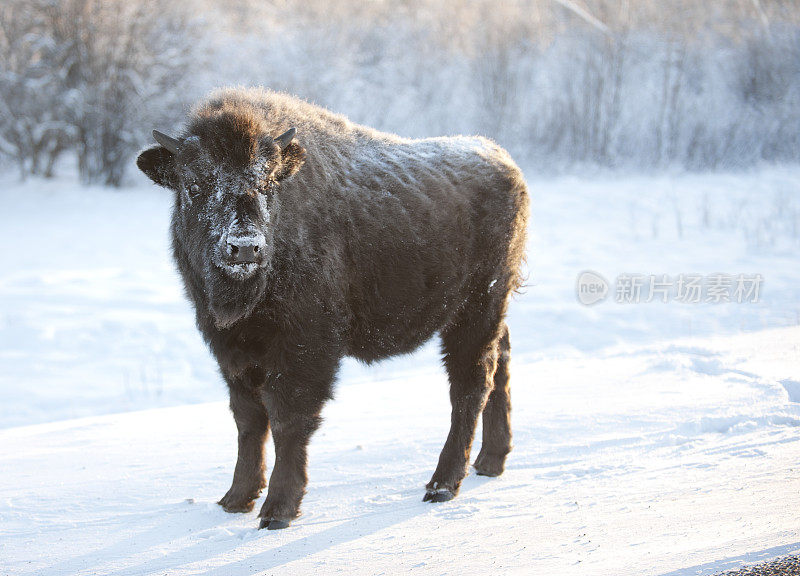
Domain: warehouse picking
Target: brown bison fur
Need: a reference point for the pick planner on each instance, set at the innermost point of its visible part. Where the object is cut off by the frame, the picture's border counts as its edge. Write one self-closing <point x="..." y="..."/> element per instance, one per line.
<point x="343" y="241"/>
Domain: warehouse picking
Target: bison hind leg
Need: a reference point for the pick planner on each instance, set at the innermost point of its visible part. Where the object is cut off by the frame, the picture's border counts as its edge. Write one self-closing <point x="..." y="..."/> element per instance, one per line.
<point x="471" y="350"/>
<point x="497" y="416"/>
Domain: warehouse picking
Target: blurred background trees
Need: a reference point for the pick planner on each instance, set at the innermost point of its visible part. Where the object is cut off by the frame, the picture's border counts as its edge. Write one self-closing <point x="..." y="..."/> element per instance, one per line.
<point x="88" y="77"/>
<point x="562" y="83"/>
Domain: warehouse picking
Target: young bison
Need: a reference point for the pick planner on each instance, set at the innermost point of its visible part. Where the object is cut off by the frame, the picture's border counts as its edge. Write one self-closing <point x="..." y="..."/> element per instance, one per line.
<point x="343" y="241"/>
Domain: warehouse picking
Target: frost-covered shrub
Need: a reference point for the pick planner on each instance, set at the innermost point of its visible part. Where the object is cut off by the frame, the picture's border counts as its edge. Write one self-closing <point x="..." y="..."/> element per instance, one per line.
<point x="640" y="85"/>
<point x="88" y="76"/>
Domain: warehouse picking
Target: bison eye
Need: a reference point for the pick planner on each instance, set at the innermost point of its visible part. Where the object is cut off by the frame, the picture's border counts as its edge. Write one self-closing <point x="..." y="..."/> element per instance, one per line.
<point x="194" y="189"/>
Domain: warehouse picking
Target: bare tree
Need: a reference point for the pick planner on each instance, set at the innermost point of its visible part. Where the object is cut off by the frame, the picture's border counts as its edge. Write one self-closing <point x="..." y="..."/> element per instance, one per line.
<point x="642" y="83"/>
<point x="33" y="127"/>
<point x="87" y="75"/>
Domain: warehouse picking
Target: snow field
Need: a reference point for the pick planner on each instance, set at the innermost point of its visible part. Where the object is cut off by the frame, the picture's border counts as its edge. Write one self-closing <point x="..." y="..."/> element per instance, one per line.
<point x="649" y="438"/>
<point x="636" y="462"/>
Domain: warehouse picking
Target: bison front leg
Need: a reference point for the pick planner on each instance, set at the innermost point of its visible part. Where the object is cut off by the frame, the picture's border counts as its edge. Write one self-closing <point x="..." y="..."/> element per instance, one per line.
<point x="294" y="403"/>
<point x="253" y="427"/>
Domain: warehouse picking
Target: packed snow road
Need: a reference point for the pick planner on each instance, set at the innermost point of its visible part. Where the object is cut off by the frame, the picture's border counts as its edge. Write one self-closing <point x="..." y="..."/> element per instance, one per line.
<point x="650" y="437"/>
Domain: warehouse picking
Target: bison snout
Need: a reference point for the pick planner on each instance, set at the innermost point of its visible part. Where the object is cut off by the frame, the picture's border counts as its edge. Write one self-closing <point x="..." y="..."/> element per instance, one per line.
<point x="245" y="249"/>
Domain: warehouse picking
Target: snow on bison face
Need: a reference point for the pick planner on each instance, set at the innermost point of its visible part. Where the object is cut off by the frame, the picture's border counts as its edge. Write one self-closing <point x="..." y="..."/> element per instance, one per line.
<point x="225" y="205"/>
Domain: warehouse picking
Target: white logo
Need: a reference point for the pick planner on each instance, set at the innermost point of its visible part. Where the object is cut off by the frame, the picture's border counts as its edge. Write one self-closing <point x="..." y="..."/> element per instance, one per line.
<point x="591" y="288"/>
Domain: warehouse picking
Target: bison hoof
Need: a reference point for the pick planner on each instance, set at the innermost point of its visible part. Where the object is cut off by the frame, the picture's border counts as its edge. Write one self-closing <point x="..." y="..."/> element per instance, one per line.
<point x="272" y="524"/>
<point x="438" y="495"/>
<point x="238" y="509"/>
<point x="489" y="465"/>
<point x="236" y="503"/>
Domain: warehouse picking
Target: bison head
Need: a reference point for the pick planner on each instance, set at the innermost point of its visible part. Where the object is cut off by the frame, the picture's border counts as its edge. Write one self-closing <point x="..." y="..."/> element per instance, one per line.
<point x="226" y="205"/>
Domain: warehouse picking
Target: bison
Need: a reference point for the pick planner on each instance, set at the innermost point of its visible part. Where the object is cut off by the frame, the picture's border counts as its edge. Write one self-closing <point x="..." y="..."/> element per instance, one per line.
<point x="302" y="238"/>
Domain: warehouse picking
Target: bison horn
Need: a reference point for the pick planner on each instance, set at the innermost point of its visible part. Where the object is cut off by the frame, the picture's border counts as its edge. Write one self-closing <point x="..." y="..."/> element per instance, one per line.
<point x="167" y="142"/>
<point x="283" y="140"/>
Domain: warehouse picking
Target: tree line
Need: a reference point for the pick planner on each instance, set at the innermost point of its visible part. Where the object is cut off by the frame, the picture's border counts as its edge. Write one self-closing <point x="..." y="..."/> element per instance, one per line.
<point x="640" y="84"/>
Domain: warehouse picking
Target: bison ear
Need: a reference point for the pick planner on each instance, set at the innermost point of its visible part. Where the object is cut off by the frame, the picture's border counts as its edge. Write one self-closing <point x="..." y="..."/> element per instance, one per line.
<point x="159" y="165"/>
<point x="293" y="156"/>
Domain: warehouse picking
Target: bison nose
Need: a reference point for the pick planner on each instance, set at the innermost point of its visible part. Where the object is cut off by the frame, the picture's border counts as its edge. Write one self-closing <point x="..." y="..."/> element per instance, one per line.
<point x="245" y="250"/>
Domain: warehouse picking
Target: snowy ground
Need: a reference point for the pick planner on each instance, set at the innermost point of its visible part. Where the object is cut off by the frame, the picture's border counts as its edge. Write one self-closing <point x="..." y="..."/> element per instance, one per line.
<point x="650" y="438"/>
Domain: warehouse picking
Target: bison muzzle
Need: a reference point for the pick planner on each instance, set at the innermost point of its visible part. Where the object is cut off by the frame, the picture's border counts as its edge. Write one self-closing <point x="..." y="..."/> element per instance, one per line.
<point x="302" y="238"/>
